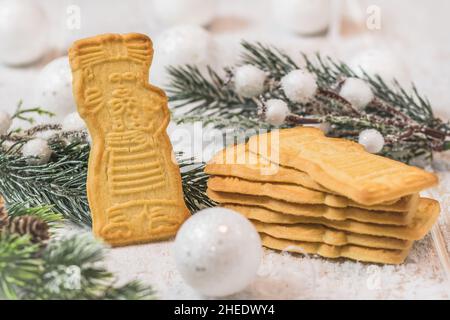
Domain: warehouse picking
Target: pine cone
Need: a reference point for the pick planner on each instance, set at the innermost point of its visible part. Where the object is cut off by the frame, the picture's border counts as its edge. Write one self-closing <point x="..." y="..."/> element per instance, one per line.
<point x="31" y="225"/>
<point x="4" y="217"/>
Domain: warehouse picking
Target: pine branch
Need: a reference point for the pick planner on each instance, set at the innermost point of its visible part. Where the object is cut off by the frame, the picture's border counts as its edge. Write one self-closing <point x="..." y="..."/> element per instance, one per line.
<point x="194" y="184"/>
<point x="21" y="113"/>
<point x="79" y="253"/>
<point x="72" y="271"/>
<point x="206" y="95"/>
<point x="67" y="268"/>
<point x="269" y="59"/>
<point x="61" y="183"/>
<point x="412" y="104"/>
<point x="404" y="118"/>
<point x="45" y="213"/>
<point x="18" y="264"/>
<point x="234" y="122"/>
<point x="133" y="290"/>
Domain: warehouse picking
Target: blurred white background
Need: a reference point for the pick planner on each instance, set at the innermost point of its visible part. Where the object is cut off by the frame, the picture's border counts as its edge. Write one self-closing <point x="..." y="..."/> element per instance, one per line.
<point x="412" y="36"/>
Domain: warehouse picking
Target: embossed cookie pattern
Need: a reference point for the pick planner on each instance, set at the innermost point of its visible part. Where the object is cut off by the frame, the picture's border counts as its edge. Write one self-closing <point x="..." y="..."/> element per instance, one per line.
<point x="134" y="185"/>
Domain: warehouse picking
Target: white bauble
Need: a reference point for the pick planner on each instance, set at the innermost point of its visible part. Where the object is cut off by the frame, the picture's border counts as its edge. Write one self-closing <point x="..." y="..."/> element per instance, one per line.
<point x="325" y="127"/>
<point x="197" y="12"/>
<point x="181" y="45"/>
<point x="38" y="149"/>
<point x="53" y="91"/>
<point x="249" y="81"/>
<point x="73" y="122"/>
<point x="357" y="92"/>
<point x="218" y="252"/>
<point x="24" y="32"/>
<point x="5" y="122"/>
<point x="379" y="62"/>
<point x="372" y="140"/>
<point x="276" y="111"/>
<point x="305" y="17"/>
<point x="299" y="86"/>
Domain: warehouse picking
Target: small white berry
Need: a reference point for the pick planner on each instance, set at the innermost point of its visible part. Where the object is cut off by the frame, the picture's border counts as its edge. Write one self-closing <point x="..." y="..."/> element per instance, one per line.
<point x="249" y="81"/>
<point x="276" y="111"/>
<point x="372" y="140"/>
<point x="37" y="150"/>
<point x="73" y="122"/>
<point x="5" y="122"/>
<point x="357" y="92"/>
<point x="325" y="127"/>
<point x="299" y="86"/>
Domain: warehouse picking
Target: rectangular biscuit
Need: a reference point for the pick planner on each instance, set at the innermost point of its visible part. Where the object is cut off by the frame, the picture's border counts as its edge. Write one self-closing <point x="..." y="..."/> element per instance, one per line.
<point x="236" y="161"/>
<point x="341" y="165"/>
<point x="421" y="224"/>
<point x="332" y="237"/>
<point x="357" y="253"/>
<point x="318" y="211"/>
<point x="299" y="194"/>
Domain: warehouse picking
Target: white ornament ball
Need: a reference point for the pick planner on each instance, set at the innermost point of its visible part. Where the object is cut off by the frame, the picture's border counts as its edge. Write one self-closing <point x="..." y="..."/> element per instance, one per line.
<point x="38" y="149"/>
<point x="305" y="17"/>
<point x="357" y="92"/>
<point x="218" y="252"/>
<point x="53" y="90"/>
<point x="24" y="32"/>
<point x="372" y="140"/>
<point x="325" y="127"/>
<point x="197" y="12"/>
<point x="249" y="81"/>
<point x="181" y="45"/>
<point x="379" y="62"/>
<point x="5" y="122"/>
<point x="276" y="111"/>
<point x="299" y="86"/>
<point x="73" y="122"/>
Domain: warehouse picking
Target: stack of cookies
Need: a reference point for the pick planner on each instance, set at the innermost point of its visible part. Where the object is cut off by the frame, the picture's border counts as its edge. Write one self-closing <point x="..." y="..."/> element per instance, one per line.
<point x="308" y="193"/>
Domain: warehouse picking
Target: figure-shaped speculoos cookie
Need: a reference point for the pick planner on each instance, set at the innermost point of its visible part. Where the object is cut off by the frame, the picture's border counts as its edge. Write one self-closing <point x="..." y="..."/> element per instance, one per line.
<point x="134" y="184"/>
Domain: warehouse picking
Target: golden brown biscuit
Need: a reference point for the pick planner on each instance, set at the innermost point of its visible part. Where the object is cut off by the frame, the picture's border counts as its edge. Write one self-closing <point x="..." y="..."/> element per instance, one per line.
<point x="318" y="211"/>
<point x="341" y="165"/>
<point x="332" y="237"/>
<point x="134" y="185"/>
<point x="357" y="253"/>
<point x="299" y="194"/>
<point x="236" y="161"/>
<point x="421" y="224"/>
